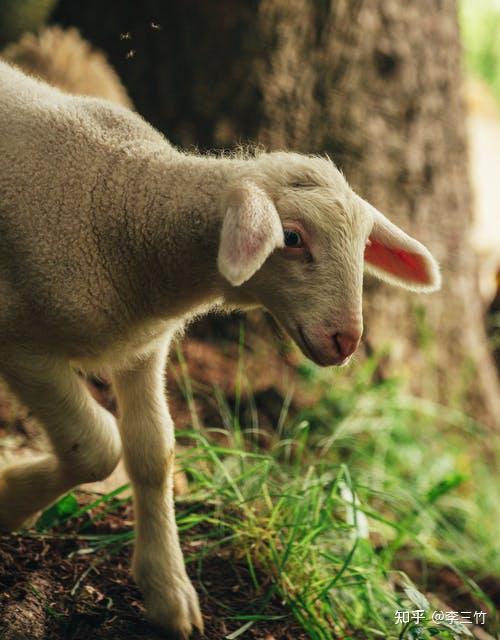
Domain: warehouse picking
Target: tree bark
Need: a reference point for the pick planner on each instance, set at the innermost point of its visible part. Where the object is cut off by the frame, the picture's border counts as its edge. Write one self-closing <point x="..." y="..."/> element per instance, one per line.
<point x="376" y="84"/>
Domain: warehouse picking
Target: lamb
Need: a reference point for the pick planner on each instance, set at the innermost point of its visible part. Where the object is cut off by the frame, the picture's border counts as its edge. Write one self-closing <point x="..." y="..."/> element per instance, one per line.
<point x="111" y="240"/>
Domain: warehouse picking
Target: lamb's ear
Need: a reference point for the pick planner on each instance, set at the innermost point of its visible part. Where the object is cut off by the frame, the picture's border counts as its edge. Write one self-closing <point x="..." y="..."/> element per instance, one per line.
<point x="396" y="257"/>
<point x="250" y="232"/>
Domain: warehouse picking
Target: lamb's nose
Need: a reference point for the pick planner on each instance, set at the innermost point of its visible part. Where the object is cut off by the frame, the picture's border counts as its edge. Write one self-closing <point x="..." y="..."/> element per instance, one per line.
<point x="346" y="342"/>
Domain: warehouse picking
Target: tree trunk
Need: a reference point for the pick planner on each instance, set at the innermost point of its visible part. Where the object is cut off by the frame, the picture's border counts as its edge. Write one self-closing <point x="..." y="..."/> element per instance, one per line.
<point x="376" y="84"/>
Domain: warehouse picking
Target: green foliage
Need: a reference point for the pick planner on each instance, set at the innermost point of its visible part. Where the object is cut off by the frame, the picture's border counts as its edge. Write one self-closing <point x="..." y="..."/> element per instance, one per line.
<point x="350" y="490"/>
<point x="480" y="25"/>
<point x="62" y="510"/>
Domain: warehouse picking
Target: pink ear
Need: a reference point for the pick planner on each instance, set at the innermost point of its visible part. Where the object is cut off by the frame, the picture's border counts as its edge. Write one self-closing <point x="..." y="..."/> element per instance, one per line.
<point x="394" y="256"/>
<point x="398" y="262"/>
<point x="250" y="232"/>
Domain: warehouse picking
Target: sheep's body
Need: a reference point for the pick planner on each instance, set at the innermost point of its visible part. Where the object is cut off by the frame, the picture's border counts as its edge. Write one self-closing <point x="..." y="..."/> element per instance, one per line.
<point x="85" y="306"/>
<point x="109" y="240"/>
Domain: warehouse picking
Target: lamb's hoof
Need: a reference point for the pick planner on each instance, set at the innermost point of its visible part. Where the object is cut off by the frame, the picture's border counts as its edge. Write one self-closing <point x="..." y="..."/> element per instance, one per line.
<point x="175" y="610"/>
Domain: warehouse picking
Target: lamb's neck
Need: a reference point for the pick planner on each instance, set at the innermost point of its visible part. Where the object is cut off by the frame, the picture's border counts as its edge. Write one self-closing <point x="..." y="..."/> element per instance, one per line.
<point x="176" y="217"/>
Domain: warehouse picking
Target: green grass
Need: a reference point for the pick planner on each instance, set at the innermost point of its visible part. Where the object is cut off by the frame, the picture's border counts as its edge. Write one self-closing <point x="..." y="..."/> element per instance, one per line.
<point x="480" y="27"/>
<point x="348" y="490"/>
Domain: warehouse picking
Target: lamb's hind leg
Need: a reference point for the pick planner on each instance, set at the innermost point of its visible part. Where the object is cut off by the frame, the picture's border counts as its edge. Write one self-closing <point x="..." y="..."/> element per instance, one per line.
<point x="148" y="448"/>
<point x="84" y="437"/>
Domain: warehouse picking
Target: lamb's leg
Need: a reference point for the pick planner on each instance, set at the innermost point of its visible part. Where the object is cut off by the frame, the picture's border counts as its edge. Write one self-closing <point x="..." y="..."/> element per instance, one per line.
<point x="148" y="445"/>
<point x="84" y="437"/>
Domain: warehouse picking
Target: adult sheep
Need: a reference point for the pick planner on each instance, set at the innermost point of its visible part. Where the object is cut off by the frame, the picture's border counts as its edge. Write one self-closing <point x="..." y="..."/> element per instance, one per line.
<point x="110" y="241"/>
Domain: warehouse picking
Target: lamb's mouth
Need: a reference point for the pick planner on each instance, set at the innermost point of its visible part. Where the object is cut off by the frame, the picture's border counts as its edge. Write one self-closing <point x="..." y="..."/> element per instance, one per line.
<point x="323" y="360"/>
<point x="308" y="349"/>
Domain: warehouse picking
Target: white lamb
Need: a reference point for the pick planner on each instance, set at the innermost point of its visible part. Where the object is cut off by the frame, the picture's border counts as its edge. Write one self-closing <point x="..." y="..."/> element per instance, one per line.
<point x="110" y="241"/>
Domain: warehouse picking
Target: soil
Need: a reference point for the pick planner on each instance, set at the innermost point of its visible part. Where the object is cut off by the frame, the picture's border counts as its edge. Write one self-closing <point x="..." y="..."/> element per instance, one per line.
<point x="52" y="589"/>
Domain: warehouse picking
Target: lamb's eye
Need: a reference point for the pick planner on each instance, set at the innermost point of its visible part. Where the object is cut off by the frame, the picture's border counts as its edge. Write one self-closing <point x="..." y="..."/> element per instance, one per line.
<point x="293" y="239"/>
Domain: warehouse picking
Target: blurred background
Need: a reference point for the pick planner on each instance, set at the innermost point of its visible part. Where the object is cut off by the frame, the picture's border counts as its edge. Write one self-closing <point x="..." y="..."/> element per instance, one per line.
<point x="405" y="98"/>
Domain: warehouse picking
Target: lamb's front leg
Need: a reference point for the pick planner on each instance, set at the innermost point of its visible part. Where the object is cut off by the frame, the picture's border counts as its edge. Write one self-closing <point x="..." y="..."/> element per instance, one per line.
<point x="148" y="447"/>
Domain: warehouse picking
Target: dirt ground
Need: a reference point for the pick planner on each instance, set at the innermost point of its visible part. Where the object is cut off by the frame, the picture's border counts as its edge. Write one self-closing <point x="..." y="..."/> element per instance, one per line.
<point x="51" y="589"/>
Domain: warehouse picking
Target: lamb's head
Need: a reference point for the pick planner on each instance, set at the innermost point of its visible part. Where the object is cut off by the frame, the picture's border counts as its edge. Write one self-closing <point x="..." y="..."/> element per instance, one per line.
<point x="295" y="239"/>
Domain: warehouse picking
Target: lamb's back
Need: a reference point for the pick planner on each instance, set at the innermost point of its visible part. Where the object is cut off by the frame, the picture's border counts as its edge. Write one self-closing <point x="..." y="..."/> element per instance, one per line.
<point x="58" y="153"/>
